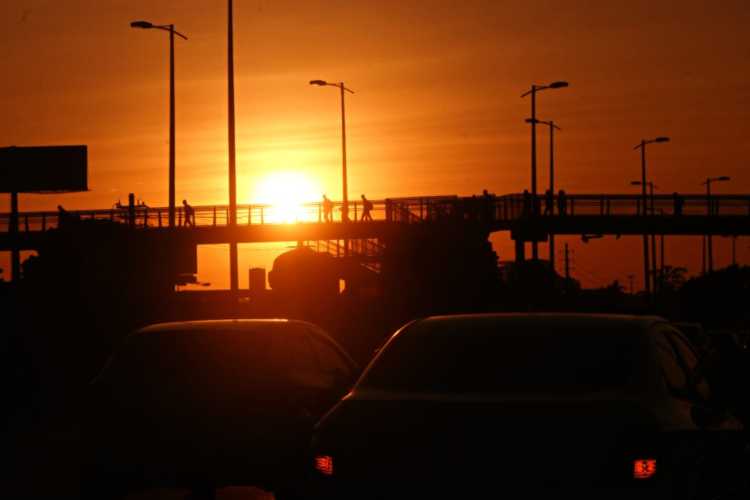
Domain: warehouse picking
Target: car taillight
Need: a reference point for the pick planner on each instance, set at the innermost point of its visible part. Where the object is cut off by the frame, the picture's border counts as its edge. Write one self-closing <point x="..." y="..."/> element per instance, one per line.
<point x="644" y="468"/>
<point x="324" y="464"/>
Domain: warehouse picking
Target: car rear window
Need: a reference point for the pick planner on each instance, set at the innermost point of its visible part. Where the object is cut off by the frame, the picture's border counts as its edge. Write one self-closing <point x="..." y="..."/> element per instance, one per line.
<point x="491" y="357"/>
<point x="208" y="363"/>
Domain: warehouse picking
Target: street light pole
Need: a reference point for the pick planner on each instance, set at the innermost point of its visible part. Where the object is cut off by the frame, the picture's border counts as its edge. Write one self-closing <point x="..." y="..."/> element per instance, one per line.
<point x="709" y="239"/>
<point x="172" y="33"/>
<point x="232" y="222"/>
<point x="654" y="272"/>
<point x="552" y="128"/>
<point x="345" y="194"/>
<point x="649" y="208"/>
<point x="646" y="270"/>
<point x="534" y="205"/>
<point x="171" y="129"/>
<point x="644" y="210"/>
<point x="345" y="199"/>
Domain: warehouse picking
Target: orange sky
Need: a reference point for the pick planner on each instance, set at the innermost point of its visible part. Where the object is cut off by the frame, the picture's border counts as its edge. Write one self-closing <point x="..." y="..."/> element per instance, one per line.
<point x="437" y="108"/>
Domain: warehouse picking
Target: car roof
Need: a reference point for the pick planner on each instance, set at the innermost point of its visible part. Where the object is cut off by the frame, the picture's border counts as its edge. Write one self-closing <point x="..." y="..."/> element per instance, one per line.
<point x="548" y="319"/>
<point x="223" y="325"/>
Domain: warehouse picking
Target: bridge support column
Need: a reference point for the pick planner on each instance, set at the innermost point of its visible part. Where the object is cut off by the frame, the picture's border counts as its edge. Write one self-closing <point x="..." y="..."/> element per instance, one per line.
<point x="520" y="250"/>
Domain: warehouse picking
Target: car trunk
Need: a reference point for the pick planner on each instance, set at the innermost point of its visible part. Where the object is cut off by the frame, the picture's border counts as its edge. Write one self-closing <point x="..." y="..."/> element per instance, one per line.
<point x="536" y="442"/>
<point x="225" y="434"/>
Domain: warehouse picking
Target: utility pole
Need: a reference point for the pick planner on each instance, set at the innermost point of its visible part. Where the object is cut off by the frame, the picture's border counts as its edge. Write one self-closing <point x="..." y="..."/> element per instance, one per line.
<point x="232" y="222"/>
<point x="661" y="261"/>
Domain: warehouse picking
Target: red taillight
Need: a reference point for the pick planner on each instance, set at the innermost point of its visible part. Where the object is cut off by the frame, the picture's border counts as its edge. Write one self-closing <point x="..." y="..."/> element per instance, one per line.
<point x="324" y="464"/>
<point x="644" y="468"/>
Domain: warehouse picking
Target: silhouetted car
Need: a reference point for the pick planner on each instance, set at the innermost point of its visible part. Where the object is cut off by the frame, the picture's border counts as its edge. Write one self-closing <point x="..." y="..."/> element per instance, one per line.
<point x="607" y="406"/>
<point x="204" y="404"/>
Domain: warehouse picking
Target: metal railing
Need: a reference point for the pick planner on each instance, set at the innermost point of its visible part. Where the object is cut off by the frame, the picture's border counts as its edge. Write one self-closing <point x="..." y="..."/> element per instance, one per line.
<point x="367" y="249"/>
<point x="414" y="210"/>
<point x="516" y="206"/>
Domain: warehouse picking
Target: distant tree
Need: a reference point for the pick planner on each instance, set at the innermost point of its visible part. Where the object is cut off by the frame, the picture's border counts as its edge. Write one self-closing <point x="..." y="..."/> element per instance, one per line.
<point x="718" y="299"/>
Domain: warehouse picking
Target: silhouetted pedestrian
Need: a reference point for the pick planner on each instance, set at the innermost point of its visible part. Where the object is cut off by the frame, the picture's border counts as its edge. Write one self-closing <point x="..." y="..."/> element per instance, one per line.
<point x="366" y="209"/>
<point x="189" y="219"/>
<point x="549" y="202"/>
<point x="327" y="209"/>
<point x="562" y="203"/>
<point x="679" y="201"/>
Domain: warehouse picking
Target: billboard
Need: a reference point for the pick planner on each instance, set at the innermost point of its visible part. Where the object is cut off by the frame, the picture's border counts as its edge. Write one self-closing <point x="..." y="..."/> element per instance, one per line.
<point x="43" y="169"/>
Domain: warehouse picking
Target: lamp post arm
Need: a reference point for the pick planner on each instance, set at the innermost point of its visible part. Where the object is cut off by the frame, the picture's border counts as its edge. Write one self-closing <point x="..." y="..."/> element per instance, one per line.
<point x="340" y="86"/>
<point x="169" y="28"/>
<point x="534" y="89"/>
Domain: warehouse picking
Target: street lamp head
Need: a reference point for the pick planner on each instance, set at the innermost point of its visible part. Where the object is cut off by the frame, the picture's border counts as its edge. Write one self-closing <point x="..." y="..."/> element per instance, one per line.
<point x="318" y="82"/>
<point x="141" y="24"/>
<point x="558" y="85"/>
<point x="723" y="178"/>
<point x="661" y="139"/>
<point x="635" y="183"/>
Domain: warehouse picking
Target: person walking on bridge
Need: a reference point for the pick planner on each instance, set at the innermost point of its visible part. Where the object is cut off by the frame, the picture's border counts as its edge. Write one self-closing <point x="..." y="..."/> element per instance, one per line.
<point x="327" y="209"/>
<point x="189" y="214"/>
<point x="366" y="209"/>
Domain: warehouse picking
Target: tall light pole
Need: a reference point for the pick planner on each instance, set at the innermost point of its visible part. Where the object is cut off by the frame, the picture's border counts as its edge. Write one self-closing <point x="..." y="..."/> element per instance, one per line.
<point x="644" y="202"/>
<point x="345" y="194"/>
<point x="172" y="33"/>
<point x="709" y="203"/>
<point x="653" y="271"/>
<point x="552" y="128"/>
<point x="534" y="89"/>
<point x="232" y="222"/>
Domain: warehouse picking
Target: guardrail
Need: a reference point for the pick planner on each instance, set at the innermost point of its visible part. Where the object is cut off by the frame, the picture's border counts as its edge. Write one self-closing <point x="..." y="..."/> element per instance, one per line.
<point x="404" y="210"/>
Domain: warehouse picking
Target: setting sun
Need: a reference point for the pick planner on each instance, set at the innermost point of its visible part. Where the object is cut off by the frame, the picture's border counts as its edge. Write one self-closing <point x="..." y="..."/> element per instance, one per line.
<point x="287" y="193"/>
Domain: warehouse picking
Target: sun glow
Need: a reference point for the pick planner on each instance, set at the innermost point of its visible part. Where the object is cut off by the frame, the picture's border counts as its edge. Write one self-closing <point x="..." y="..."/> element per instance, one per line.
<point x="287" y="195"/>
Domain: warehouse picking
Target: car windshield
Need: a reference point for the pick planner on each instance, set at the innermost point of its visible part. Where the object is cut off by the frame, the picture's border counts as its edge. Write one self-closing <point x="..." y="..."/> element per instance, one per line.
<point x="505" y="357"/>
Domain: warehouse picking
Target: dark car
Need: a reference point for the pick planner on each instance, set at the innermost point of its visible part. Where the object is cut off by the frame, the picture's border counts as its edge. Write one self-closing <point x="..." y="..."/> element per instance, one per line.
<point x="204" y="404"/>
<point x="453" y="406"/>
